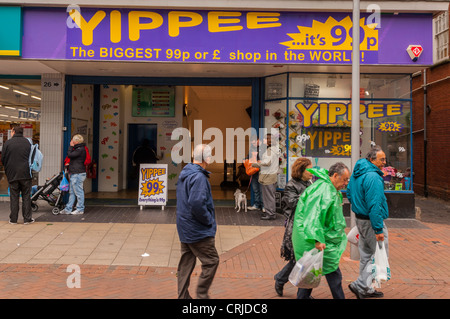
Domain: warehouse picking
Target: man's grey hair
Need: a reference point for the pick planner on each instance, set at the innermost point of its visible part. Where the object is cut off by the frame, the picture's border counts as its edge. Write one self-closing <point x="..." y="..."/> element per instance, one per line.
<point x="202" y="153"/>
<point x="372" y="154"/>
<point x="338" y="168"/>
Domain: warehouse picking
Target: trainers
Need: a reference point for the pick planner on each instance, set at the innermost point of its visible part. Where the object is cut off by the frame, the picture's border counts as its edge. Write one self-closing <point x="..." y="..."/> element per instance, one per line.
<point x="12" y="223"/>
<point x="30" y="222"/>
<point x="253" y="208"/>
<point x="65" y="212"/>
<point x="77" y="212"/>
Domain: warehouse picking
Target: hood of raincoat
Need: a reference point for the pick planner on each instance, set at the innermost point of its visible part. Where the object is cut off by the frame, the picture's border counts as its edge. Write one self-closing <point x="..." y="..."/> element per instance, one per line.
<point x="195" y="208"/>
<point x="318" y="217"/>
<point x="365" y="191"/>
<point x="363" y="166"/>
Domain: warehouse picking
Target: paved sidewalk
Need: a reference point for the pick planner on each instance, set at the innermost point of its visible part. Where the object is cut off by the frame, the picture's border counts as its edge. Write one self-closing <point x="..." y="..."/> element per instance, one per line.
<point x="419" y="259"/>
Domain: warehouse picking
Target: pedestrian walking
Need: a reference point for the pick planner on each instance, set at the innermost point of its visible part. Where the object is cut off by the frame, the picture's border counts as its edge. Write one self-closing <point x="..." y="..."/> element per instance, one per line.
<point x="319" y="223"/>
<point x="196" y="224"/>
<point x="268" y="175"/>
<point x="77" y="175"/>
<point x="301" y="179"/>
<point x="15" y="158"/>
<point x="366" y="195"/>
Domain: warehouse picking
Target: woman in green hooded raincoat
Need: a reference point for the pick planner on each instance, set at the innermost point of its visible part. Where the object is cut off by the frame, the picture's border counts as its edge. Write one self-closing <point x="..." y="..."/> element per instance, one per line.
<point x="319" y="223"/>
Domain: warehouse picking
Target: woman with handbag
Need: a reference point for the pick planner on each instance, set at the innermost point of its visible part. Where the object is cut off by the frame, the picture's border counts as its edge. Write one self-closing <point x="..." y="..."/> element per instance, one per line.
<point x="301" y="179"/>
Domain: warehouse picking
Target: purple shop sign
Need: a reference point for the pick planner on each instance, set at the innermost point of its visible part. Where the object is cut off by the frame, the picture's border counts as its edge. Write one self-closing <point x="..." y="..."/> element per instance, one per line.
<point x="221" y="37"/>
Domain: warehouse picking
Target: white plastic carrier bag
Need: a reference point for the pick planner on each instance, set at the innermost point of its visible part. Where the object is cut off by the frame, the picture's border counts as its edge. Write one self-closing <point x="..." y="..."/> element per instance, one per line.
<point x="307" y="271"/>
<point x="353" y="236"/>
<point x="381" y="272"/>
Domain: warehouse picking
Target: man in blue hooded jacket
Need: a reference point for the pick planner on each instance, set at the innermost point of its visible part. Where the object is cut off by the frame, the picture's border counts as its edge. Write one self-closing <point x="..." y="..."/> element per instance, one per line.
<point x="365" y="192"/>
<point x="196" y="224"/>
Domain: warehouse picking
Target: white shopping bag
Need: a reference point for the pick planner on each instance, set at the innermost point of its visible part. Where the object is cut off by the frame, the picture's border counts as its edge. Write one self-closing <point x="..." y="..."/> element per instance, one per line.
<point x="353" y="236"/>
<point x="380" y="266"/>
<point x="307" y="271"/>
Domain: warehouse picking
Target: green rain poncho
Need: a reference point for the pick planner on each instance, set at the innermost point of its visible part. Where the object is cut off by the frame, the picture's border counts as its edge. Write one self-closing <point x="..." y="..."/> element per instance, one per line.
<point x="319" y="217"/>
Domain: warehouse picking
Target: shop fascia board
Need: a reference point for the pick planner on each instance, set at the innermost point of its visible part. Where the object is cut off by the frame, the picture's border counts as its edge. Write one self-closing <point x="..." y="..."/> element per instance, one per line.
<point x="143" y="69"/>
<point x="280" y="5"/>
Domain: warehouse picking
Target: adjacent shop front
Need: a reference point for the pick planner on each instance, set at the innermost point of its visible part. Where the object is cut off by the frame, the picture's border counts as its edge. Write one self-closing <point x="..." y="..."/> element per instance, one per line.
<point x="127" y="69"/>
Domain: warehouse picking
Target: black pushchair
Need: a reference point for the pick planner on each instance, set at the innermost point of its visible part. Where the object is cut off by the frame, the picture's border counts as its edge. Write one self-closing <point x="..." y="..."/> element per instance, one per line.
<point x="51" y="193"/>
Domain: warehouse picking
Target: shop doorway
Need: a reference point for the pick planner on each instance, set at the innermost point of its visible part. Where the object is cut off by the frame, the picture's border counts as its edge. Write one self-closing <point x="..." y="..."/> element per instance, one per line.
<point x="142" y="145"/>
<point x="217" y="106"/>
<point x="221" y="107"/>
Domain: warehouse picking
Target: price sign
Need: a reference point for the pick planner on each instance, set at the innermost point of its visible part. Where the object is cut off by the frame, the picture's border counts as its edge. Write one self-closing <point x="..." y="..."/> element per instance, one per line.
<point x="328" y="142"/>
<point x="152" y="185"/>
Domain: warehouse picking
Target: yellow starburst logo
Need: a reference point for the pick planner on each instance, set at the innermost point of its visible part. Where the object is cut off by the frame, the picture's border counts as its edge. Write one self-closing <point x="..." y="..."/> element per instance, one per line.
<point x="333" y="35"/>
<point x="152" y="187"/>
<point x="341" y="150"/>
<point x="389" y="127"/>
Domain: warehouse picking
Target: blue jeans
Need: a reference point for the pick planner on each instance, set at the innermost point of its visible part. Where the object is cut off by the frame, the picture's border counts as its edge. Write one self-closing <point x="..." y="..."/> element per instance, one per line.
<point x="76" y="190"/>
<point x="256" y="187"/>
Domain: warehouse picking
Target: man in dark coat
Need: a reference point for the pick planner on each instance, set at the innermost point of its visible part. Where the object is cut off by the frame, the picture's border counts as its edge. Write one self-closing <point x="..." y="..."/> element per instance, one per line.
<point x="196" y="224"/>
<point x="15" y="158"/>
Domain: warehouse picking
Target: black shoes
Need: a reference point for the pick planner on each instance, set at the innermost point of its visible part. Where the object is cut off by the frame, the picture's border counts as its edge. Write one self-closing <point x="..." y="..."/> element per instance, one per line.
<point x="268" y="217"/>
<point x="25" y="223"/>
<point x="360" y="295"/>
<point x="29" y="222"/>
<point x="279" y="288"/>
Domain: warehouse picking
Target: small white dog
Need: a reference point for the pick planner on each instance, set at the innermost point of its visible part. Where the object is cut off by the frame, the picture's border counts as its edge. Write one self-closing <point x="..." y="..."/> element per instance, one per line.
<point x="240" y="200"/>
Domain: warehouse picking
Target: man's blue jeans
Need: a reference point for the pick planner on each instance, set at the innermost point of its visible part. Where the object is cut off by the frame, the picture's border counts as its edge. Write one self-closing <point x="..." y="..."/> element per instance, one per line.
<point x="258" y="203"/>
<point x="76" y="190"/>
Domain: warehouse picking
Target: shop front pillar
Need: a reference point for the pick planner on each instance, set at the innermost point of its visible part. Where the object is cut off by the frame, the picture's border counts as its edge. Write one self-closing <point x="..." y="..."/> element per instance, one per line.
<point x="52" y="124"/>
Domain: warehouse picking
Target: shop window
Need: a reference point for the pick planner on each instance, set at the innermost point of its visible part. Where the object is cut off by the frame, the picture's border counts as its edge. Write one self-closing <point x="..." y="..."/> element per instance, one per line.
<point x="441" y="29"/>
<point x="315" y="122"/>
<point x="20" y="104"/>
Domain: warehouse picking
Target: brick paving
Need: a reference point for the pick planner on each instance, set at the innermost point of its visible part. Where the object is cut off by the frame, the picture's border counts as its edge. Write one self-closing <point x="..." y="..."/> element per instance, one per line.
<point x="419" y="259"/>
<point x="420" y="264"/>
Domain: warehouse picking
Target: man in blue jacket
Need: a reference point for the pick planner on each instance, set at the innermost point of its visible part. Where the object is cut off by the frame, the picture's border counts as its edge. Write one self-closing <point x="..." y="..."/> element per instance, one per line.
<point x="365" y="192"/>
<point x="196" y="224"/>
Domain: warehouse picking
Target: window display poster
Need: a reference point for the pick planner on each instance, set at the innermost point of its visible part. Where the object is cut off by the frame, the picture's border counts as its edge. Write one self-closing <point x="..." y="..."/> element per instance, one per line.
<point x="312" y="91"/>
<point x="152" y="185"/>
<point x="328" y="142"/>
<point x="153" y="101"/>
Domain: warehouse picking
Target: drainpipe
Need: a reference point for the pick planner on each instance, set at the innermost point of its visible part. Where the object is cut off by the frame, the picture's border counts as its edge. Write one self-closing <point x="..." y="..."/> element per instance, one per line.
<point x="425" y="186"/>
<point x="354" y="252"/>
